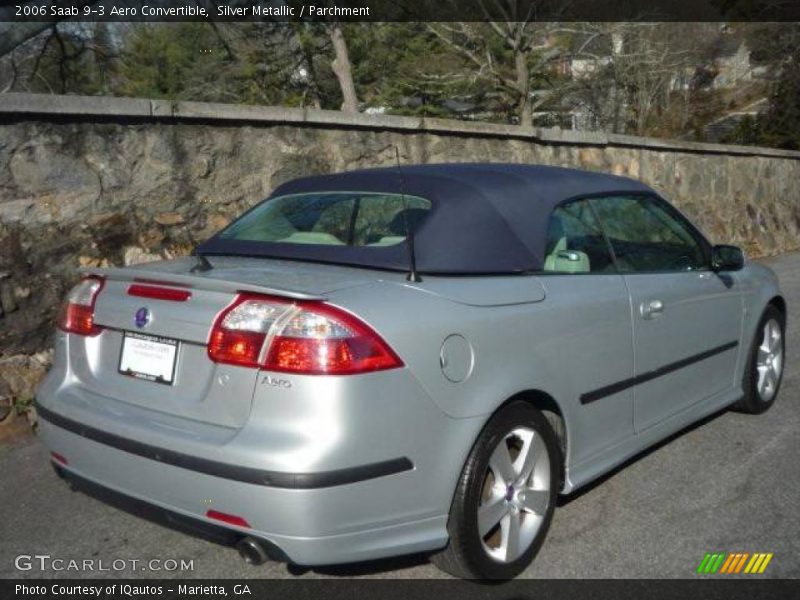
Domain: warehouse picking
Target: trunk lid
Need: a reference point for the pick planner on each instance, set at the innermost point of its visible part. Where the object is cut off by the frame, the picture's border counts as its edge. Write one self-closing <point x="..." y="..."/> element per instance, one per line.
<point x="199" y="389"/>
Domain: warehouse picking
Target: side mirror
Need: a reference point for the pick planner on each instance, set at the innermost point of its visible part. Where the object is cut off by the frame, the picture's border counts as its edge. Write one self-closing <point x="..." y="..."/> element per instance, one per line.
<point x="727" y="258"/>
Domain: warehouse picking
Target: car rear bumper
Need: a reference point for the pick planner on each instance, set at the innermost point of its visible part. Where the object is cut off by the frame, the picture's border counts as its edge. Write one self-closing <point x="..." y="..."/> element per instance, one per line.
<point x="279" y="479"/>
<point x="163" y="516"/>
<point x="298" y="520"/>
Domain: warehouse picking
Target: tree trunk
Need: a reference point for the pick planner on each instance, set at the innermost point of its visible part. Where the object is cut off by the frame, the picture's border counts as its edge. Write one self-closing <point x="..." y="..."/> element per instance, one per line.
<point x="103" y="50"/>
<point x="343" y="70"/>
<point x="616" y="108"/>
<point x="523" y="87"/>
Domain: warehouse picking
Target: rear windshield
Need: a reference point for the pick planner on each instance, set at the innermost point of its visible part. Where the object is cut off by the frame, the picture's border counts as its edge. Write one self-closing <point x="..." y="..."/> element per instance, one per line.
<point x="330" y="218"/>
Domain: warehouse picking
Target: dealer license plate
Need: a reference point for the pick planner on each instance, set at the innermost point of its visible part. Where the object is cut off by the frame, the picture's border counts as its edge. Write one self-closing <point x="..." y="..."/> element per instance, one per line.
<point x="148" y="357"/>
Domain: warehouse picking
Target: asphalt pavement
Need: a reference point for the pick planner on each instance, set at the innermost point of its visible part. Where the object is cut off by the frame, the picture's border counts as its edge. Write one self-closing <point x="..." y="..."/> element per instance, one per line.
<point x="728" y="484"/>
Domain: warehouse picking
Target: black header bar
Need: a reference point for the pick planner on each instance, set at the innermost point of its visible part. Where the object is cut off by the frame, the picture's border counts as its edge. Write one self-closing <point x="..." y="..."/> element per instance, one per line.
<point x="398" y="10"/>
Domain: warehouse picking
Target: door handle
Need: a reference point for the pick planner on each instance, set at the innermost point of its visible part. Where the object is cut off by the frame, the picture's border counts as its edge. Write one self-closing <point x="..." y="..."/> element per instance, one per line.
<point x="651" y="309"/>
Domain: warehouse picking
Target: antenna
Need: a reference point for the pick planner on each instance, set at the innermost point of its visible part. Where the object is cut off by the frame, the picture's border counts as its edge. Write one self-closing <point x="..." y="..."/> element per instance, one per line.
<point x="202" y="264"/>
<point x="412" y="276"/>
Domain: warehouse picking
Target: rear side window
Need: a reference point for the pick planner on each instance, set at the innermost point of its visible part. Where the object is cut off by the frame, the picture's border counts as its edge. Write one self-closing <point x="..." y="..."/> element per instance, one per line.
<point x="648" y="236"/>
<point x="331" y="218"/>
<point x="575" y="242"/>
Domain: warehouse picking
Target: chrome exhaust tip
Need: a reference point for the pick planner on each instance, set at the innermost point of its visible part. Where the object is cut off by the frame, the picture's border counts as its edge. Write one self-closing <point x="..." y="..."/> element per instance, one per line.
<point x="252" y="551"/>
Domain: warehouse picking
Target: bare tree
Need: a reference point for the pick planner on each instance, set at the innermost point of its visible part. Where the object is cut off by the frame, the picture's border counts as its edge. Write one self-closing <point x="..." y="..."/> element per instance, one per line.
<point x="636" y="70"/>
<point x="9" y="76"/>
<point x="526" y="48"/>
<point x="20" y="68"/>
<point x="13" y="33"/>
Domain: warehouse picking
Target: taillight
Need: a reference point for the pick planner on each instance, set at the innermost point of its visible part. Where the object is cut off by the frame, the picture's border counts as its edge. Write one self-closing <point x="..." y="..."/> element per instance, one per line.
<point x="240" y="330"/>
<point x="307" y="337"/>
<point x="77" y="313"/>
<point x="321" y="339"/>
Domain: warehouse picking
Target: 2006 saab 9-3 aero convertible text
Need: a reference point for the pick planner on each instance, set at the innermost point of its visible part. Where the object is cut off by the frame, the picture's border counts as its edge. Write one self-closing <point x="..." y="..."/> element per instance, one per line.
<point x="403" y="360"/>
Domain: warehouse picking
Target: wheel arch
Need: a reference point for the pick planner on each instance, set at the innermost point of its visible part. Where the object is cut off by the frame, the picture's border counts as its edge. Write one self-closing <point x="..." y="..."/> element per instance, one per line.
<point x="778" y="302"/>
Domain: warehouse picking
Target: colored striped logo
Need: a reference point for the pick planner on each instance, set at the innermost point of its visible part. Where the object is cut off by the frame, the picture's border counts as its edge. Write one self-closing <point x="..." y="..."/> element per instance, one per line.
<point x="734" y="562"/>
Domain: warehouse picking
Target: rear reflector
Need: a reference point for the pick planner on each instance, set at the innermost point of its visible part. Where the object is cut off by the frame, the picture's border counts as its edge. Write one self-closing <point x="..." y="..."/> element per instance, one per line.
<point x="77" y="313"/>
<point x="159" y="293"/>
<point x="307" y="337"/>
<point x="59" y="458"/>
<point x="226" y="518"/>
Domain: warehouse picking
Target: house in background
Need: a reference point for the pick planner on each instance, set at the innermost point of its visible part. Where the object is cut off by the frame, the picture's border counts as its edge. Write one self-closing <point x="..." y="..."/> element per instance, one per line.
<point x="730" y="59"/>
<point x="588" y="54"/>
<point x="737" y="77"/>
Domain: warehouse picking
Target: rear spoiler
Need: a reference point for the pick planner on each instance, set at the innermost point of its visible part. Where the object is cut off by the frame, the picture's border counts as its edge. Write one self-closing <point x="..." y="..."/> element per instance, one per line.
<point x="204" y="282"/>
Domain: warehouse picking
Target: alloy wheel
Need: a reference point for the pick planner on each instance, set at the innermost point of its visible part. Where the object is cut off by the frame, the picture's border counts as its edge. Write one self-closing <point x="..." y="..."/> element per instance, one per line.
<point x="515" y="495"/>
<point x="769" y="360"/>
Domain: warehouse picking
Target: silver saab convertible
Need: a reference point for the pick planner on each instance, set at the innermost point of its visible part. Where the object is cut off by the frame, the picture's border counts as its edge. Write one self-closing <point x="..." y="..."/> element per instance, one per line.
<point x="403" y="360"/>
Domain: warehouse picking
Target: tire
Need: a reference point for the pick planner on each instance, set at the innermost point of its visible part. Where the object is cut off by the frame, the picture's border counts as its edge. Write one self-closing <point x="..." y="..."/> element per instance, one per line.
<point x="765" y="365"/>
<point x="524" y="505"/>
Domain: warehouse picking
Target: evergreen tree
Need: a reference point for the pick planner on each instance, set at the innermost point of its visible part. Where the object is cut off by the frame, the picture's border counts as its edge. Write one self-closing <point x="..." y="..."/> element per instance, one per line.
<point x="175" y="61"/>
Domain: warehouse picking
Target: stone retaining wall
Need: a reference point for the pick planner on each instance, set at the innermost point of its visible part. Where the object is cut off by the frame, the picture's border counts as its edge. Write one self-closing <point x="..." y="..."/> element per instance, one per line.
<point x="86" y="181"/>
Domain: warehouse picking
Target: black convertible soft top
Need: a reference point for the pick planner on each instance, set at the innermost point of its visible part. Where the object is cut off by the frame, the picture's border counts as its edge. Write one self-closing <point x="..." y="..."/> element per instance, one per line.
<point x="485" y="217"/>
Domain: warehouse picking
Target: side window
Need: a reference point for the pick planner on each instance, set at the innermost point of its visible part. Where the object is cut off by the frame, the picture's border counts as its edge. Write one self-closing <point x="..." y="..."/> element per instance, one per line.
<point x="382" y="221"/>
<point x="647" y="236"/>
<point x="575" y="242"/>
